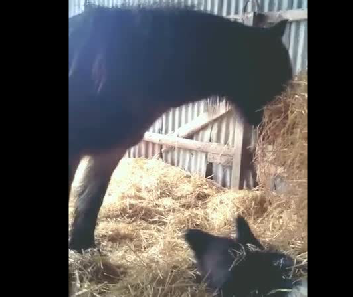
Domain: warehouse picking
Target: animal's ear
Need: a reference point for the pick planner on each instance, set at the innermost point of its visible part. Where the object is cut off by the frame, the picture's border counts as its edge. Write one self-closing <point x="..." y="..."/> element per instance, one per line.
<point x="198" y="240"/>
<point x="244" y="234"/>
<point x="213" y="255"/>
<point x="210" y="250"/>
<point x="279" y="28"/>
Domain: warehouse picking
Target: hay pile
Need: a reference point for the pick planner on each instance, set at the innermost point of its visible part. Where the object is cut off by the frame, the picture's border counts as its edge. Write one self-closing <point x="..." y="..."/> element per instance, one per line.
<point x="281" y="160"/>
<point x="149" y="204"/>
<point x="283" y="136"/>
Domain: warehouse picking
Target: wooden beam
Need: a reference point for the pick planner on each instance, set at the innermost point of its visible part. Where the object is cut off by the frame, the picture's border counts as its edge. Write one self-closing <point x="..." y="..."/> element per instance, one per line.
<point x="248" y="167"/>
<point x="290" y="15"/>
<point x="236" y="179"/>
<point x="189" y="129"/>
<point x="197" y="124"/>
<point x="248" y="18"/>
<point x="206" y="147"/>
<point x="274" y="17"/>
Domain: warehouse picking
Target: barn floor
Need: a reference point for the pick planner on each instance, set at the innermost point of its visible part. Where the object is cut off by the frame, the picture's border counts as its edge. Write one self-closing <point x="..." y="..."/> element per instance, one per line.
<point x="148" y="206"/>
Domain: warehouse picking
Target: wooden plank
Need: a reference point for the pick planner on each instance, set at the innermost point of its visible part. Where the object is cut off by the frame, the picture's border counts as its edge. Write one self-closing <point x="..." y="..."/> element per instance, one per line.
<point x="248" y="18"/>
<point x="292" y="15"/>
<point x="196" y="125"/>
<point x="255" y="19"/>
<point x="241" y="163"/>
<point x="206" y="147"/>
<point x="248" y="167"/>
<point x="242" y="167"/>
<point x="214" y="169"/>
<point x="236" y="183"/>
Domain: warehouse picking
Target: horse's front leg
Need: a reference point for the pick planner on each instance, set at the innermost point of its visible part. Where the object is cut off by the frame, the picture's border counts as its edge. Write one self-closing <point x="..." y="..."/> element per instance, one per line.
<point x="91" y="190"/>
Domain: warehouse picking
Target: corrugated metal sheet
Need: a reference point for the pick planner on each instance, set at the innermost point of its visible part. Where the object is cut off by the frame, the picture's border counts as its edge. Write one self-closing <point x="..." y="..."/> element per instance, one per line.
<point x="296" y="33"/>
<point x="75" y="7"/>
<point x="223" y="130"/>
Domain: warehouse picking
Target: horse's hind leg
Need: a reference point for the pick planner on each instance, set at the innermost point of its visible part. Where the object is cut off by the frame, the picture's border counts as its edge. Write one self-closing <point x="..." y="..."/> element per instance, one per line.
<point x="73" y="164"/>
<point x="91" y="190"/>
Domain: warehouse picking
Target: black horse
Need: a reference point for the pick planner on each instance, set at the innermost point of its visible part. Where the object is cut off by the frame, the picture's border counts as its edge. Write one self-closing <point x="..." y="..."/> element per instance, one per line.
<point x="242" y="267"/>
<point x="127" y="66"/>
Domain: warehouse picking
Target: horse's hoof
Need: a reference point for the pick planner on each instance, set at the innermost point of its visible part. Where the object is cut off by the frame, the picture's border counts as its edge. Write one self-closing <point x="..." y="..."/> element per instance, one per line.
<point x="80" y="248"/>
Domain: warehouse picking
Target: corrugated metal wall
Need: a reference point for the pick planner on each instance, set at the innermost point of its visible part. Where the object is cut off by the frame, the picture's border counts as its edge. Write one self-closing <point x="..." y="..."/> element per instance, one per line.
<point x="223" y="130"/>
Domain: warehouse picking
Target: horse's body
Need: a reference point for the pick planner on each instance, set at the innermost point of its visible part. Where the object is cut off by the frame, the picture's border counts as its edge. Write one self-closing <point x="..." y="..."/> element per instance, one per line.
<point x="242" y="267"/>
<point x="128" y="66"/>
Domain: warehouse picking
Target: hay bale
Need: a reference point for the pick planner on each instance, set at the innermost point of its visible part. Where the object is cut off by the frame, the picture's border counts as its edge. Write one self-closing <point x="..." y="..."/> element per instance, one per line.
<point x="283" y="137"/>
<point x="281" y="157"/>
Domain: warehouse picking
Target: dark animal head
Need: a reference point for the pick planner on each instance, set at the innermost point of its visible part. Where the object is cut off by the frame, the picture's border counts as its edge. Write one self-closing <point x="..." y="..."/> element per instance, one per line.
<point x="265" y="70"/>
<point x="240" y="267"/>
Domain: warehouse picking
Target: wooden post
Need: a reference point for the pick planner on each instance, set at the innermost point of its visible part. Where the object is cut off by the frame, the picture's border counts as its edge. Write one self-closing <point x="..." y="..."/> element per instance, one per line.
<point x="240" y="156"/>
<point x="255" y="19"/>
<point x="243" y="171"/>
<point x="236" y="182"/>
<point x="242" y="167"/>
<point x="248" y="166"/>
<point x="248" y="18"/>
